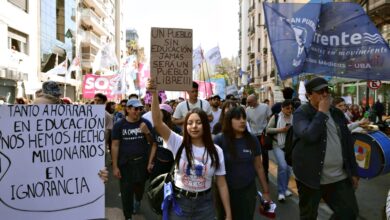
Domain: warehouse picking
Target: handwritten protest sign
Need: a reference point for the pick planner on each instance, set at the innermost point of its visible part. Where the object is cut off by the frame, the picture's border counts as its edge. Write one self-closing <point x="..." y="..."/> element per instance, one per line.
<point x="49" y="159"/>
<point x="171" y="58"/>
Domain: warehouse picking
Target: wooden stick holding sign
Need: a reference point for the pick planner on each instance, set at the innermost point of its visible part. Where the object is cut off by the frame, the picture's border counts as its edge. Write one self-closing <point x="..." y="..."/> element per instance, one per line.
<point x="171" y="58"/>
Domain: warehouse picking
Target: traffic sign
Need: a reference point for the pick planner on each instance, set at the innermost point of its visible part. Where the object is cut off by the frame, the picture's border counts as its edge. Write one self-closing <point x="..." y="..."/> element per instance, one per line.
<point x="374" y="84"/>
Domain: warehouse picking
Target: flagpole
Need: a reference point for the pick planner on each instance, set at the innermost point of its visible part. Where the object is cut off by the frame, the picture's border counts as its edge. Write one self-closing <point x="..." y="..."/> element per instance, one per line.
<point x="208" y="75"/>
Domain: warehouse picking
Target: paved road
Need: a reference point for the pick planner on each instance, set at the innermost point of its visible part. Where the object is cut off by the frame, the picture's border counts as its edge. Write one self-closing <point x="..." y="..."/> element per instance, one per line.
<point x="371" y="196"/>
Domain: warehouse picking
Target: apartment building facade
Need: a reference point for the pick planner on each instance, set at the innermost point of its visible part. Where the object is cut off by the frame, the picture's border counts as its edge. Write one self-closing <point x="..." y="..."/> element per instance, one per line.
<point x="19" y="55"/>
<point x="257" y="65"/>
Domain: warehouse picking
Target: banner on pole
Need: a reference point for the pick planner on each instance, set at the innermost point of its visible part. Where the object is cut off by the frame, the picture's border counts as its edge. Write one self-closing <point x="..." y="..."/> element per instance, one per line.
<point x="332" y="39"/>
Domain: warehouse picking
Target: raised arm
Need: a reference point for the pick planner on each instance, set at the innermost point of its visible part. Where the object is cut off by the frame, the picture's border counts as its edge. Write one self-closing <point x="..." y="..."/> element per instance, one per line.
<point x="162" y="129"/>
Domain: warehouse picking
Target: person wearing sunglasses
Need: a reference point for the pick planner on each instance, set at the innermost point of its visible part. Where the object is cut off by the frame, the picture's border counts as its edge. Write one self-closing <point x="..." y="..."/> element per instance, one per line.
<point x="197" y="161"/>
<point x="131" y="143"/>
<point x="323" y="158"/>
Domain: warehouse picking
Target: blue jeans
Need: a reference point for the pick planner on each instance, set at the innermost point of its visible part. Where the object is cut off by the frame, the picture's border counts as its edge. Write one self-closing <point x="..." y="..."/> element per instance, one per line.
<point x="284" y="171"/>
<point x="201" y="208"/>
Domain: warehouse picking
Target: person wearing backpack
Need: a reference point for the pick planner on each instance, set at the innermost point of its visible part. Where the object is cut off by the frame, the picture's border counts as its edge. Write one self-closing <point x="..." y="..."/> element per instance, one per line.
<point x="323" y="157"/>
<point x="277" y="127"/>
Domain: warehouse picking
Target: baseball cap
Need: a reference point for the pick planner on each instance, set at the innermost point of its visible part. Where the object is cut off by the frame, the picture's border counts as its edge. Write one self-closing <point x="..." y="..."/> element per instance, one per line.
<point x="216" y="96"/>
<point x="166" y="107"/>
<point x="316" y="84"/>
<point x="51" y="88"/>
<point x="134" y="103"/>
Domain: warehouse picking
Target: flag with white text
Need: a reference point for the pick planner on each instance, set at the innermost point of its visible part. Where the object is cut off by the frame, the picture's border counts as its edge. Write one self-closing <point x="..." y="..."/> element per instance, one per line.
<point x="333" y="39"/>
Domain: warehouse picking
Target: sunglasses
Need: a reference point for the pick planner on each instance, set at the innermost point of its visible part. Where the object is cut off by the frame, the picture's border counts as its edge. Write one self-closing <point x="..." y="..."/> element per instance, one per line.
<point x="138" y="108"/>
<point x="322" y="91"/>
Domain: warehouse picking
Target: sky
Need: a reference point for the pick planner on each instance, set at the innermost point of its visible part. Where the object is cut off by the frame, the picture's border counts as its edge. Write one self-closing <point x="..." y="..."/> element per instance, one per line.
<point x="214" y="22"/>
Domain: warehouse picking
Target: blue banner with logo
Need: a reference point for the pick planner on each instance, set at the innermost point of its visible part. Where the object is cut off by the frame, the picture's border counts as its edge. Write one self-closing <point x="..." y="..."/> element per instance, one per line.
<point x="333" y="39"/>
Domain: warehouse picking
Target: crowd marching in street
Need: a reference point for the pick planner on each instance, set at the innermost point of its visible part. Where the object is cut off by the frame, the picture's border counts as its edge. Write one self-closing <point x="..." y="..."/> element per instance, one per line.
<point x="218" y="151"/>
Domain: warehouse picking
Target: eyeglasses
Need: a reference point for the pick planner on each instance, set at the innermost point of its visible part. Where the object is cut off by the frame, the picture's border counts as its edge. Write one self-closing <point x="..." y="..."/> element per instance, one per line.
<point x="322" y="91"/>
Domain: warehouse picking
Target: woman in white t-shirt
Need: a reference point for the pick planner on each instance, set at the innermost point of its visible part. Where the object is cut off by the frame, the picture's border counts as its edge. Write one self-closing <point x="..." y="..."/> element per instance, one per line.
<point x="197" y="161"/>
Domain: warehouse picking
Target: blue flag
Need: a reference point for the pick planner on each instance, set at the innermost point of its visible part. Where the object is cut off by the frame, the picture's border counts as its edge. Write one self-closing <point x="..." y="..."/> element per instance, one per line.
<point x="333" y="39"/>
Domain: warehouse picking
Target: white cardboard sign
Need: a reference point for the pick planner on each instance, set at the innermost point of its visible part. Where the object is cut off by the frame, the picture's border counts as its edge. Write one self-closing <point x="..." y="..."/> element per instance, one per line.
<point x="50" y="156"/>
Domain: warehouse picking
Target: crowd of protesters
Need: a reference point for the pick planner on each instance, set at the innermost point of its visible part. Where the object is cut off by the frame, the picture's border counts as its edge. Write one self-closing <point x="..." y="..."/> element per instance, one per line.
<point x="218" y="145"/>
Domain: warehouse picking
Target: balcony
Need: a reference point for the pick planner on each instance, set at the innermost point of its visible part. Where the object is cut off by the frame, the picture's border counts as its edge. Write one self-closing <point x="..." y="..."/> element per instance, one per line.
<point x="98" y="6"/>
<point x="249" y="49"/>
<point x="251" y="56"/>
<point x="87" y="60"/>
<point x="19" y="62"/>
<point x="251" y="9"/>
<point x="379" y="11"/>
<point x="89" y="18"/>
<point x="251" y="31"/>
<point x="89" y="38"/>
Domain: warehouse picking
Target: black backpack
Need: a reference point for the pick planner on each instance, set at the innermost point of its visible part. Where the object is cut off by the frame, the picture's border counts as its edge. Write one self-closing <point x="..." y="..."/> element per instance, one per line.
<point x="290" y="142"/>
<point x="289" y="145"/>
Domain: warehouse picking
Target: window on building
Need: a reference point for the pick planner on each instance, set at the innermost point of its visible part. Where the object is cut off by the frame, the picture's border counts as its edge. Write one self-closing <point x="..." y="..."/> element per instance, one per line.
<point x="17" y="41"/>
<point x="60" y="10"/>
<point x="259" y="19"/>
<point x="258" y="44"/>
<point x="22" y="4"/>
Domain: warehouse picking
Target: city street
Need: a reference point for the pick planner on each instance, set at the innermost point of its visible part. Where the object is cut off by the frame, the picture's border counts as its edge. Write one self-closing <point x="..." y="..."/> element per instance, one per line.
<point x="371" y="196"/>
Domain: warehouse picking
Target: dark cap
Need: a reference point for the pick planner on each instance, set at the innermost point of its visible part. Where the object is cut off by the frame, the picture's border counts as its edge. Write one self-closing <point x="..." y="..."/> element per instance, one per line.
<point x="230" y="96"/>
<point x="216" y="96"/>
<point x="51" y="88"/>
<point x="316" y="84"/>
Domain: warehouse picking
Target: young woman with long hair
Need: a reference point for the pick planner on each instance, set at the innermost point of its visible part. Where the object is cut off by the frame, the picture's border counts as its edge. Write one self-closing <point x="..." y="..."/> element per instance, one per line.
<point x="197" y="160"/>
<point x="243" y="162"/>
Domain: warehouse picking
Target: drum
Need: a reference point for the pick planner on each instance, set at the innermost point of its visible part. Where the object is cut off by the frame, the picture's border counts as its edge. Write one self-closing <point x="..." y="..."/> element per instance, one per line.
<point x="372" y="152"/>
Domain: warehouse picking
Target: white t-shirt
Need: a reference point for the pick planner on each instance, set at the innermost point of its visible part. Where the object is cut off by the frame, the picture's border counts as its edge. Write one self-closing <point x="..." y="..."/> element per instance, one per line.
<point x="148" y="116"/>
<point x="182" y="108"/>
<point x="195" y="182"/>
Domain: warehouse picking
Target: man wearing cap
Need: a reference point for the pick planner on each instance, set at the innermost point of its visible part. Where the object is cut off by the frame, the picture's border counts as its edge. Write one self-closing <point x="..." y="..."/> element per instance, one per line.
<point x="131" y="141"/>
<point x="49" y="94"/>
<point x="323" y="157"/>
<point x="215" y="102"/>
<point x="193" y="102"/>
